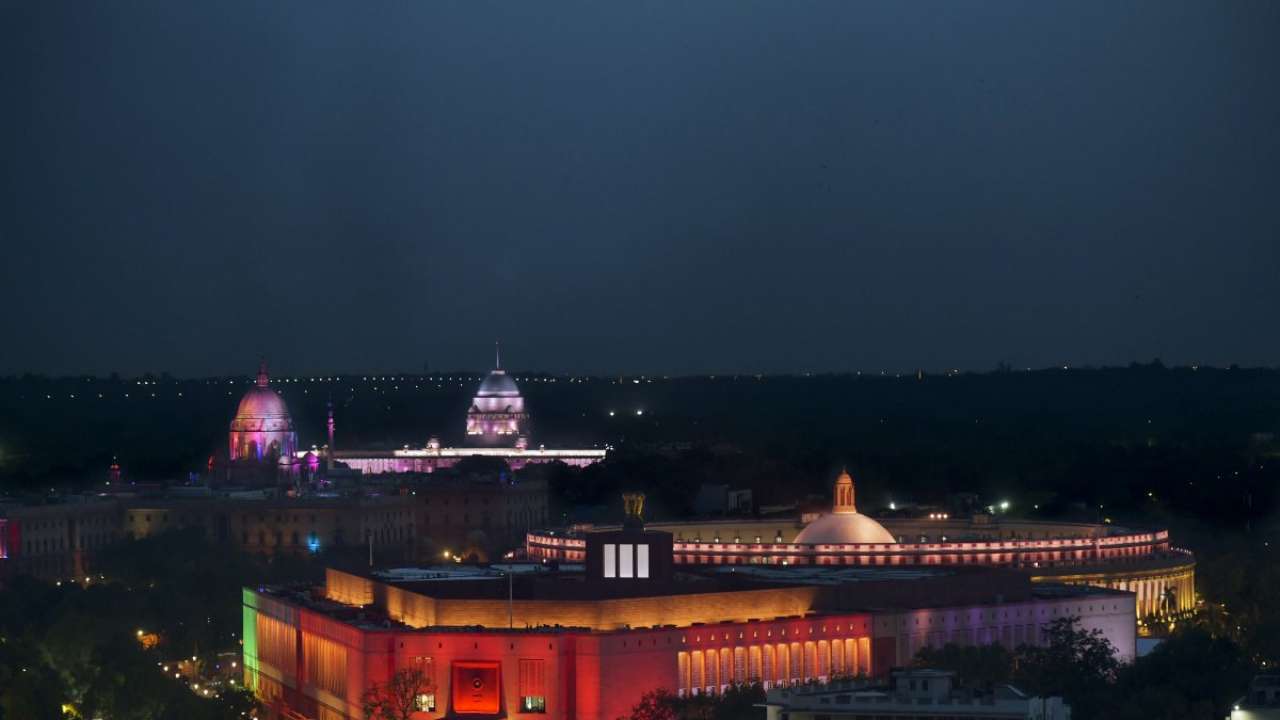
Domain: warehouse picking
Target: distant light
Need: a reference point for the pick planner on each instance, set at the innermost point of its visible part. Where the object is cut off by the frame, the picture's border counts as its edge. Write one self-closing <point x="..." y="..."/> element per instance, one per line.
<point x="610" y="413"/>
<point x="892" y="505"/>
<point x="1004" y="504"/>
<point x="639" y="412"/>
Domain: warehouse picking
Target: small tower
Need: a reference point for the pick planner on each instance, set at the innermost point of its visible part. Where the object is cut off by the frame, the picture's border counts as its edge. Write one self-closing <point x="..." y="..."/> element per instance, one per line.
<point x="633" y="506"/>
<point x="631" y="554"/>
<point x="843" y="502"/>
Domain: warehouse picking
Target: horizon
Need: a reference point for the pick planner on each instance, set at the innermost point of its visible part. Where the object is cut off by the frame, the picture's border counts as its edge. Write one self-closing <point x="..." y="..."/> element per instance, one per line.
<point x="473" y="374"/>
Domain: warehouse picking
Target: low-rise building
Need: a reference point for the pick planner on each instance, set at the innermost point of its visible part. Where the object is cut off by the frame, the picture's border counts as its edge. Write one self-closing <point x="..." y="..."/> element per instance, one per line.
<point x="55" y="539"/>
<point x="911" y="694"/>
<point x="1262" y="701"/>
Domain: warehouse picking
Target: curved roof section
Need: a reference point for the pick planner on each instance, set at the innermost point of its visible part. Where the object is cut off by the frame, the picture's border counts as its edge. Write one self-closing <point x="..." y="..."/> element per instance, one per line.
<point x="844" y="529"/>
<point x="498" y="384"/>
<point x="260" y="404"/>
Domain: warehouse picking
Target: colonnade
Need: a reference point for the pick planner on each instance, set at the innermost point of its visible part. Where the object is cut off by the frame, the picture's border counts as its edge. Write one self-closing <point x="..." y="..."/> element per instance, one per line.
<point x="713" y="670"/>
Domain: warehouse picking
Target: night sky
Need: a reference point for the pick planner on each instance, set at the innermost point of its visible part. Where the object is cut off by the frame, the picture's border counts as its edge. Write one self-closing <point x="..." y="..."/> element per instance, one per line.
<point x="671" y="187"/>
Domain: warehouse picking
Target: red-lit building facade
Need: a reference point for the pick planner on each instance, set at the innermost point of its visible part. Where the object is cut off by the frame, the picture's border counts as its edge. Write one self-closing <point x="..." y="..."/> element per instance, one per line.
<point x="531" y="641"/>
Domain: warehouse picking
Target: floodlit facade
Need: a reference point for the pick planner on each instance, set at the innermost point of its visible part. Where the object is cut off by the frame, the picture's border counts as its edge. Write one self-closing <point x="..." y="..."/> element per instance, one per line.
<point x="1140" y="561"/>
<point x="588" y="641"/>
<point x="497" y="426"/>
<point x="497" y="415"/>
<point x="262" y="429"/>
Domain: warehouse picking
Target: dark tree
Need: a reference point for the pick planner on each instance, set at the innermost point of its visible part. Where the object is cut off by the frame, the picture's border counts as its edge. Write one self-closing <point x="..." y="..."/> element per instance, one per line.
<point x="1076" y="664"/>
<point x="1188" y="676"/>
<point x="736" y="703"/>
<point x="397" y="698"/>
<point x="975" y="666"/>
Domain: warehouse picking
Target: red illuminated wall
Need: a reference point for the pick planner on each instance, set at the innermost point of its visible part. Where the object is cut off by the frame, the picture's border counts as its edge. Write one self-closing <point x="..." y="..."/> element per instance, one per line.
<point x="476" y="687"/>
<point x="321" y="667"/>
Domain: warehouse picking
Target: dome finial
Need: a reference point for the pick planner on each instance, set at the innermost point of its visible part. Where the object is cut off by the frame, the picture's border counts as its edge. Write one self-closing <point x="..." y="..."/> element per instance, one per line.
<point x="263" y="378"/>
<point x="497" y="354"/>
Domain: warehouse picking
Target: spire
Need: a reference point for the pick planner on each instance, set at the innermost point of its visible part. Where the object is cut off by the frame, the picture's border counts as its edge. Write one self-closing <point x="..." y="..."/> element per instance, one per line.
<point x="263" y="378"/>
<point x="328" y="453"/>
<point x="844" y="494"/>
<point x="497" y="355"/>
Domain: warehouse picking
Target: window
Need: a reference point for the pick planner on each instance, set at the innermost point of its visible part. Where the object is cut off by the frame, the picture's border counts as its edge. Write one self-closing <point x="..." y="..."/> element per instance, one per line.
<point x="533" y="697"/>
<point x="424" y="702"/>
<point x="610" y="560"/>
<point x="642" y="561"/>
<point x="626" y="559"/>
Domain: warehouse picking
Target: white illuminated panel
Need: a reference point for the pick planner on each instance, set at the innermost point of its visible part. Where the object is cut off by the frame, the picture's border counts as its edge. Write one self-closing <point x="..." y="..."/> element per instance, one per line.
<point x="610" y="560"/>
<point x="642" y="561"/>
<point x="626" y="557"/>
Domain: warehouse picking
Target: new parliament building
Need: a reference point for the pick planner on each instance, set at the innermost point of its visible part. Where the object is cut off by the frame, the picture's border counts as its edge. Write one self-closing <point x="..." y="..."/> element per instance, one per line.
<point x="606" y="614"/>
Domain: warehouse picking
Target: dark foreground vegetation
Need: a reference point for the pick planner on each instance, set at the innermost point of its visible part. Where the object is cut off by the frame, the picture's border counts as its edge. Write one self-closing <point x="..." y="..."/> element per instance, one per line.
<point x="107" y="648"/>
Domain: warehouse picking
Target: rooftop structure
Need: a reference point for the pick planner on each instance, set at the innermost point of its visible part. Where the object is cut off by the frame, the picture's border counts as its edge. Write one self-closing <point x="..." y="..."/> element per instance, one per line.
<point x="262" y="429"/>
<point x="497" y="415"/>
<point x="1262" y="701"/>
<point x="844" y="524"/>
<point x="910" y="694"/>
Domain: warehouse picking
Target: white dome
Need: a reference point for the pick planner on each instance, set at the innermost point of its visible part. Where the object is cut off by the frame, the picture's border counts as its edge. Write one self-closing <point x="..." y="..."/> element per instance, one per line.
<point x="843" y="529"/>
<point x="498" y="384"/>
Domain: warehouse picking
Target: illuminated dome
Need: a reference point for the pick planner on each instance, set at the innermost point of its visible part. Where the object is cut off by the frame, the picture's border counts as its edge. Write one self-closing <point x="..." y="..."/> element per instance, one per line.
<point x="497" y="415"/>
<point x="498" y="384"/>
<point x="264" y="404"/>
<point x="844" y="525"/>
<point x="262" y="428"/>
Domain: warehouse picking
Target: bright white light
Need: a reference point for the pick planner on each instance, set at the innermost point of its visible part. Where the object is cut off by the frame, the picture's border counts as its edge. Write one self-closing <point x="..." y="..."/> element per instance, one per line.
<point x="639" y="412"/>
<point x="1004" y="504"/>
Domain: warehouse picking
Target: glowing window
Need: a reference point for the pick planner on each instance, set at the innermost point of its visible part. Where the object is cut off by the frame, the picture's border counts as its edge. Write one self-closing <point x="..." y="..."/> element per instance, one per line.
<point x="424" y="702"/>
<point x="531" y="683"/>
<point x="626" y="559"/>
<point x="642" y="561"/>
<point x="610" y="560"/>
